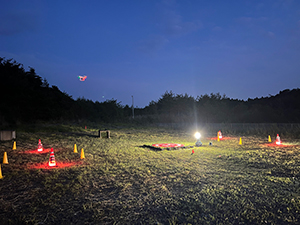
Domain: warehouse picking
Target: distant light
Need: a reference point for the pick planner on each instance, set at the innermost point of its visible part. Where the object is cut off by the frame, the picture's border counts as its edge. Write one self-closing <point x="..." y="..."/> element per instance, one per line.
<point x="197" y="135"/>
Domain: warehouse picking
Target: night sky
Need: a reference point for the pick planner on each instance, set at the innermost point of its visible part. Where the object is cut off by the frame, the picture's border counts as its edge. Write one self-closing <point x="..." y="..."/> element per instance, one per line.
<point x="143" y="48"/>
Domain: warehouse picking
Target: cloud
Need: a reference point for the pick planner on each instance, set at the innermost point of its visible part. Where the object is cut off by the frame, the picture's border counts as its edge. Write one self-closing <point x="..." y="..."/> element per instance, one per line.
<point x="153" y="43"/>
<point x="245" y="19"/>
<point x="217" y="28"/>
<point x="169" y="3"/>
<point x="259" y="26"/>
<point x="250" y="21"/>
<point x="172" y="24"/>
<point x="260" y="6"/>
<point x="270" y="34"/>
<point x="12" y="23"/>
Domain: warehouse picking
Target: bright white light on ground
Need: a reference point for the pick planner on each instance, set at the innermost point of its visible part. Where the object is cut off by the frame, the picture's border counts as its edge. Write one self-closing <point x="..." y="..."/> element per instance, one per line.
<point x="197" y="135"/>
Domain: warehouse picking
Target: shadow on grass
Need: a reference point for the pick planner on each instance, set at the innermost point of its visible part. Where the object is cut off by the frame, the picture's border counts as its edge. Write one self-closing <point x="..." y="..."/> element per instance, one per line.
<point x="161" y="149"/>
<point x="151" y="147"/>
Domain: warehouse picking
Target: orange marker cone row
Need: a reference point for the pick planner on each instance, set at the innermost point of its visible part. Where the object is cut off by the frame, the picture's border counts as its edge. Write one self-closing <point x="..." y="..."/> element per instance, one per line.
<point x="0" y="172"/>
<point x="75" y="148"/>
<point x="5" y="160"/>
<point x="14" y="146"/>
<point x="82" y="154"/>
<point x="52" y="158"/>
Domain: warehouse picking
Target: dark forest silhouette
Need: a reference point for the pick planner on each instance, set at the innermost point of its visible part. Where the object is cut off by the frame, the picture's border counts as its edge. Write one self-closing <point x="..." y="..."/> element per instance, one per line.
<point x="28" y="98"/>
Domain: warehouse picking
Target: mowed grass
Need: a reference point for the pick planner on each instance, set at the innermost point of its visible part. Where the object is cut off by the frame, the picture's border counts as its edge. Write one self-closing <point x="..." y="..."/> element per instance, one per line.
<point x="121" y="181"/>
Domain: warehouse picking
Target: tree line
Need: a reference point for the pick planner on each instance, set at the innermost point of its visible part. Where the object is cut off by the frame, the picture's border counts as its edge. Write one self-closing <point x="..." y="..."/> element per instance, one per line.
<point x="214" y="108"/>
<point x="28" y="98"/>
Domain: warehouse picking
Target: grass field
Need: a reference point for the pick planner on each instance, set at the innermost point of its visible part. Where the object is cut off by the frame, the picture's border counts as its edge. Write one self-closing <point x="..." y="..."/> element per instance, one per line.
<point x="122" y="181"/>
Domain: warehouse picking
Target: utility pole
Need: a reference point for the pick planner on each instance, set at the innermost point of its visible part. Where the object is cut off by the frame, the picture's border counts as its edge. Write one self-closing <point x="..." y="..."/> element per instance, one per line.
<point x="132" y="107"/>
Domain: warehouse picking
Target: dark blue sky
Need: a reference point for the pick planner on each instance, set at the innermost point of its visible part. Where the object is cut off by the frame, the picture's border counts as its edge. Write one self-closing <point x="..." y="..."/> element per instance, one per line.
<point x="241" y="48"/>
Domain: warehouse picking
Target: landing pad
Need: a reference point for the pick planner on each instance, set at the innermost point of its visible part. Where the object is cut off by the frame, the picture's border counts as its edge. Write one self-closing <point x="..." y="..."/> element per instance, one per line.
<point x="168" y="145"/>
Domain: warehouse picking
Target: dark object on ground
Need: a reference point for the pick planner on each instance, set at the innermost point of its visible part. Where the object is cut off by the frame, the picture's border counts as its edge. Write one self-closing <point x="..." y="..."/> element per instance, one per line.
<point x="198" y="143"/>
<point x="104" y="131"/>
<point x="160" y="149"/>
<point x="6" y="135"/>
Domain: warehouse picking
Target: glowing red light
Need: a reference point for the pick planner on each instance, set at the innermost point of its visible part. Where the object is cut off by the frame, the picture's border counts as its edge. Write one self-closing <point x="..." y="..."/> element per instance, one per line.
<point x="274" y="144"/>
<point x="168" y="145"/>
<point x="36" y="152"/>
<point x="59" y="165"/>
<point x="223" y="138"/>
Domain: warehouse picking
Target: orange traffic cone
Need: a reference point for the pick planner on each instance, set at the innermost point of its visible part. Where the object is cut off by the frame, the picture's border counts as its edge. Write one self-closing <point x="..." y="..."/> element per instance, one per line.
<point x="14" y="146"/>
<point x="5" y="160"/>
<point x="52" y="158"/>
<point x="75" y="148"/>
<point x="40" y="146"/>
<point x="82" y="154"/>
<point x="193" y="151"/>
<point x="240" y="143"/>
<point x="269" y="139"/>
<point x="0" y="172"/>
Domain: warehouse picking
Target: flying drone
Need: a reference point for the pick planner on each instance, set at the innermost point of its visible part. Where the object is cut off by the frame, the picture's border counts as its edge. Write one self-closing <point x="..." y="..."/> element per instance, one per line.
<point x="82" y="78"/>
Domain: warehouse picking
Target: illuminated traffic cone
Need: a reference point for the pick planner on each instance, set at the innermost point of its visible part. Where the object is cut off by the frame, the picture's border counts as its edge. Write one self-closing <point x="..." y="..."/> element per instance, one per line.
<point x="75" y="148"/>
<point x="52" y="158"/>
<point x="14" y="146"/>
<point x="269" y="139"/>
<point x="278" y="141"/>
<point x="240" y="141"/>
<point x="0" y="172"/>
<point x="40" y="146"/>
<point x="5" y="160"/>
<point x="220" y="135"/>
<point x="82" y="154"/>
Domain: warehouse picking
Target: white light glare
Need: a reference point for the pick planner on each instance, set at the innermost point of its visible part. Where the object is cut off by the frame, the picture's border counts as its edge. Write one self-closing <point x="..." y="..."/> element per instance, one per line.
<point x="197" y="135"/>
